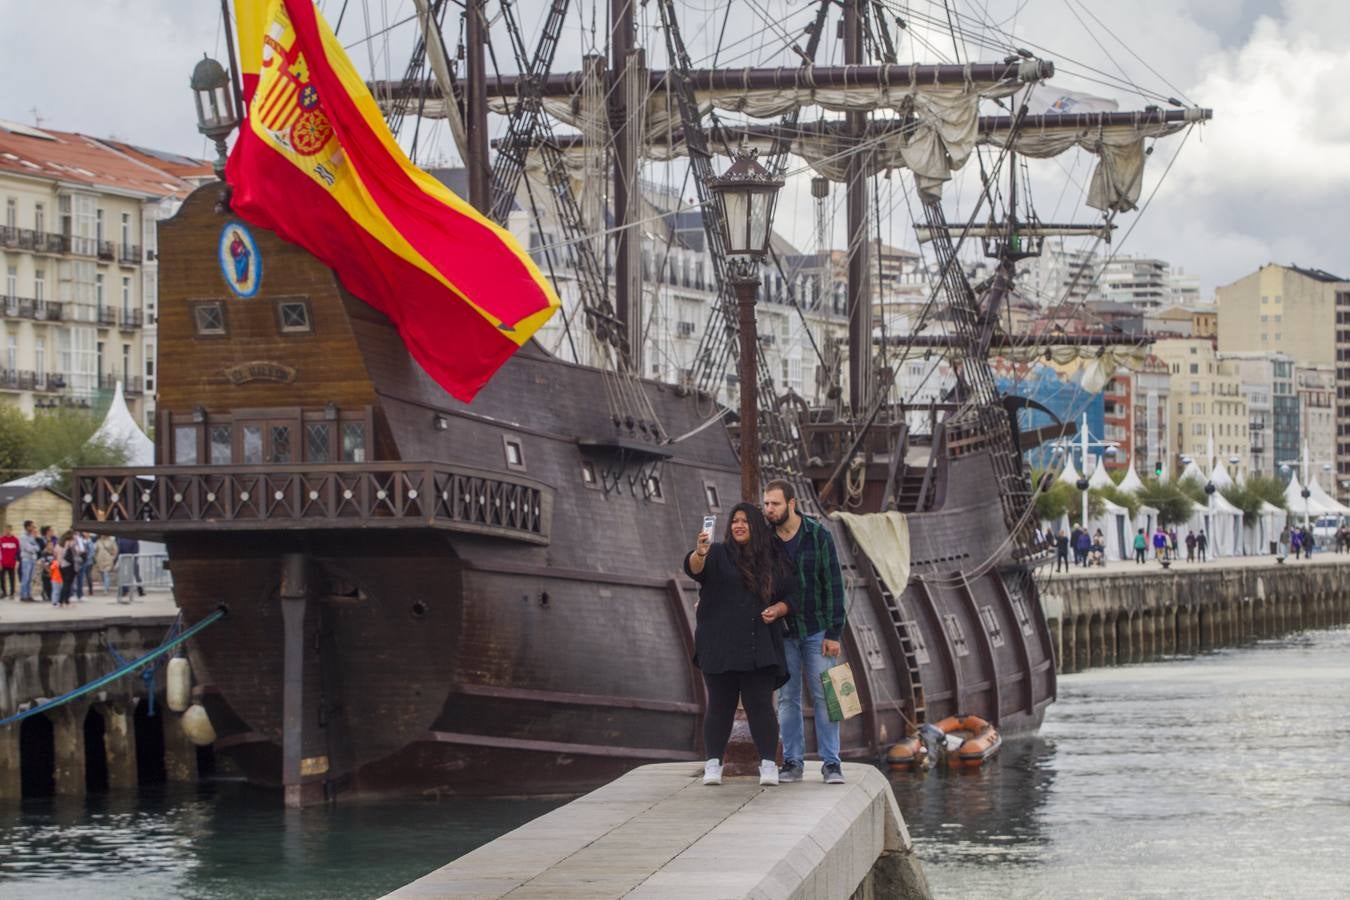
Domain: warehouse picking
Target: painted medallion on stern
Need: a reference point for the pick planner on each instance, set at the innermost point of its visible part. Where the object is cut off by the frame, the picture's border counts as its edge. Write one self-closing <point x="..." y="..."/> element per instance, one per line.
<point x="240" y="261"/>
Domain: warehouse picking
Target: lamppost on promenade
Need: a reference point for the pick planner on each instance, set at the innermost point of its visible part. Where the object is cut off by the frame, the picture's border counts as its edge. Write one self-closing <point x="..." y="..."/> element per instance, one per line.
<point x="748" y="192"/>
<point x="216" y="115"/>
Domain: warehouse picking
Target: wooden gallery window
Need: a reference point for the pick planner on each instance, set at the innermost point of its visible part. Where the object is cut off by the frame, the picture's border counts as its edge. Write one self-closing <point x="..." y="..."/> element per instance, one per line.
<point x="208" y="318"/>
<point x="279" y="436"/>
<point x="293" y="316"/>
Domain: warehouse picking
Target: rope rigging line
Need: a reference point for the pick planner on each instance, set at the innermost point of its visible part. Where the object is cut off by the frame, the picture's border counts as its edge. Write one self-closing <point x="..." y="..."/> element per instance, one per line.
<point x="125" y="669"/>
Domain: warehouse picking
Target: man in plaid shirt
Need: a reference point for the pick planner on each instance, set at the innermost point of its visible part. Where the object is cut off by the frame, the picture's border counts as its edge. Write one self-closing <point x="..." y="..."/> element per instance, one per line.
<point x="813" y="632"/>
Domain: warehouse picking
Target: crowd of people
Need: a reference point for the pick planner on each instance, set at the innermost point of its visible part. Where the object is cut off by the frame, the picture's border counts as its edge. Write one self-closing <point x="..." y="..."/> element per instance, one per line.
<point x="1165" y="545"/>
<point x="41" y="565"/>
<point x="770" y="617"/>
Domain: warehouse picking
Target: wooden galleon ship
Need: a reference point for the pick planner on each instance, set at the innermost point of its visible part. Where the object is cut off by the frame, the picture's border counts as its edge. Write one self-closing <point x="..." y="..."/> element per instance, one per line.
<point x="486" y="598"/>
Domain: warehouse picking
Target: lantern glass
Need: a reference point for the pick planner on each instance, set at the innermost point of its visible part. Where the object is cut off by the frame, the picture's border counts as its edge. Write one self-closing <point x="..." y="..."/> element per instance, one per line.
<point x="737" y="206"/>
<point x="761" y="208"/>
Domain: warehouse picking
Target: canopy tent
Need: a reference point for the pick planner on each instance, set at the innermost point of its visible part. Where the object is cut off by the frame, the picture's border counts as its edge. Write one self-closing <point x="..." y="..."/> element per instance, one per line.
<point x="1334" y="506"/>
<point x="1131" y="484"/>
<point x="1257" y="537"/>
<point x="1222" y="523"/>
<point x="1220" y="476"/>
<point x="1069" y="474"/>
<point x="1147" y="519"/>
<point x="1100" y="478"/>
<point x="1117" y="535"/>
<point x="1301" y="507"/>
<point x="1193" y="472"/>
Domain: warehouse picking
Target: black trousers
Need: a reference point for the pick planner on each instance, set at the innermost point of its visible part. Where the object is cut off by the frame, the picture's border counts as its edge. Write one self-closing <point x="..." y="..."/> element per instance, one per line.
<point x="7" y="582"/>
<point x="1062" y="559"/>
<point x="755" y="691"/>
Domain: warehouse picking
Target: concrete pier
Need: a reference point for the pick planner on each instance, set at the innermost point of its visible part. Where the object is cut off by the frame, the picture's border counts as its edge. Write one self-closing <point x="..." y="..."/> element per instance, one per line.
<point x="1131" y="613"/>
<point x="658" y="832"/>
<point x="104" y="739"/>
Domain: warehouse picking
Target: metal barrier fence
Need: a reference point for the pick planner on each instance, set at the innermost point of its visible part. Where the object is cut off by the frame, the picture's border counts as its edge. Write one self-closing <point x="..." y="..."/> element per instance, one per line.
<point x="146" y="570"/>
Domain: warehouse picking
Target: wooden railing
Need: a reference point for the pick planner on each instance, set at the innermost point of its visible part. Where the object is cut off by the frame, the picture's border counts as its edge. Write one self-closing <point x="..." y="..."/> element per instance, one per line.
<point x="175" y="499"/>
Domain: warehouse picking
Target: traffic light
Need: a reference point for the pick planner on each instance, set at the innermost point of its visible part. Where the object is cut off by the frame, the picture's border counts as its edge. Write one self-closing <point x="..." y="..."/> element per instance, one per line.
<point x="1157" y="469"/>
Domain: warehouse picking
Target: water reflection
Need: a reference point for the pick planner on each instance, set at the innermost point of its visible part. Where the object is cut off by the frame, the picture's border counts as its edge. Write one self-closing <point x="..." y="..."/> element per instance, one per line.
<point x="229" y="840"/>
<point x="988" y="815"/>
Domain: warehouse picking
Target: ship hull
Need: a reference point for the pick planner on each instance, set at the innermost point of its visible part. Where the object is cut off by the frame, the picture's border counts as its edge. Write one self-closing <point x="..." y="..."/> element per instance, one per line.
<point x="531" y="630"/>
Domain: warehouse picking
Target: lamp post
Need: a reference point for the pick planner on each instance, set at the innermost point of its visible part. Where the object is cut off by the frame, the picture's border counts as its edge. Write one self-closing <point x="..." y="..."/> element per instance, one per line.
<point x="748" y="193"/>
<point x="216" y="115"/>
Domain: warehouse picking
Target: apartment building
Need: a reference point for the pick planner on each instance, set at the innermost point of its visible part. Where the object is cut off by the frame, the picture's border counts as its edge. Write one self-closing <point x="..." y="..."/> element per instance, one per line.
<point x="77" y="250"/>
<point x="1135" y="407"/>
<point x="1315" y="386"/>
<point x="1305" y="314"/>
<point x="1207" y="400"/>
<point x="1273" y="408"/>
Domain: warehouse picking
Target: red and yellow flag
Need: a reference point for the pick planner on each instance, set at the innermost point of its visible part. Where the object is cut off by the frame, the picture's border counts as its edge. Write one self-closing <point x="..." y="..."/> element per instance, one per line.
<point x="316" y="164"/>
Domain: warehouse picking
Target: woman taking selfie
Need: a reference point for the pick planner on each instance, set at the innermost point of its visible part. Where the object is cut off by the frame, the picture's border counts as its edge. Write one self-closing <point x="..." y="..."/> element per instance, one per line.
<point x="746" y="589"/>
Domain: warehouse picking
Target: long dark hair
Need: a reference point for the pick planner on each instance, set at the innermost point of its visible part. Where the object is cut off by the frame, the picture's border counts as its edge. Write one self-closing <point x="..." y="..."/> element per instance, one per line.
<point x="759" y="560"/>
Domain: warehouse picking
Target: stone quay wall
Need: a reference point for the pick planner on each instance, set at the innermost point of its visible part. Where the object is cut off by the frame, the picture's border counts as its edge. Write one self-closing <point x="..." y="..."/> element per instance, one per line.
<point x="1125" y="615"/>
<point x="41" y="661"/>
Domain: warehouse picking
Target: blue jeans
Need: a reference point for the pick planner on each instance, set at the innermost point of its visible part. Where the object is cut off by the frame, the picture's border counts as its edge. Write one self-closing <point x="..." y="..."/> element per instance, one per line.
<point x="26" y="579"/>
<point x="804" y="653"/>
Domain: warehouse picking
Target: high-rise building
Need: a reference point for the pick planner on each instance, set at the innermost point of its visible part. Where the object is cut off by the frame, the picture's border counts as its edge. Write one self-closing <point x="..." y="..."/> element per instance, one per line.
<point x="1305" y="314"/>
<point x="78" y="256"/>
<point x="1207" y="401"/>
<point x="1272" y="408"/>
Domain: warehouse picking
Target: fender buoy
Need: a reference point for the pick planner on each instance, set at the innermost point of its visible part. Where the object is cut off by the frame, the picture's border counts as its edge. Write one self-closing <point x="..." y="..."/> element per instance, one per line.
<point x="197" y="726"/>
<point x="979" y="740"/>
<point x="178" y="684"/>
<point x="906" y="755"/>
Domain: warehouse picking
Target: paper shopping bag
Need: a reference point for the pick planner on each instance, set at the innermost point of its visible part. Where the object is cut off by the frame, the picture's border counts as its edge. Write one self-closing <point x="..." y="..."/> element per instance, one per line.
<point x="841" y="694"/>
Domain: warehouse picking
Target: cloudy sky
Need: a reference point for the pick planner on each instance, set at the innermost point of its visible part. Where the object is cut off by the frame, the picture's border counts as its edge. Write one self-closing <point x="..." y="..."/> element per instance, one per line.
<point x="1267" y="180"/>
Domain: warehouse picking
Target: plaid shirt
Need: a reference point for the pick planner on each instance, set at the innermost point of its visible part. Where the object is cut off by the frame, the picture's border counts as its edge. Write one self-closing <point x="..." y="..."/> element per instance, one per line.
<point x="820" y="584"/>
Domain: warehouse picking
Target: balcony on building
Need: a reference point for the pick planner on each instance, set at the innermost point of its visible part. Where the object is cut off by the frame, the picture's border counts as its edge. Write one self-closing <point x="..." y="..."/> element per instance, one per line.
<point x="28" y="308"/>
<point x="129" y="254"/>
<point x="106" y="316"/>
<point x="131" y="384"/>
<point x="131" y="319"/>
<point x="107" y="250"/>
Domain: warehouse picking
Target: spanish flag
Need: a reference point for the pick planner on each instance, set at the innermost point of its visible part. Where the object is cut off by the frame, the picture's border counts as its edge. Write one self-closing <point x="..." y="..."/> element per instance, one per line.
<point x="316" y="164"/>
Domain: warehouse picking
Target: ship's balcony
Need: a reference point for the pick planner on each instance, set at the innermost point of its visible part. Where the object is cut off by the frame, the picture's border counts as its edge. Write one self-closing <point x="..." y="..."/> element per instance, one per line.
<point x="156" y="501"/>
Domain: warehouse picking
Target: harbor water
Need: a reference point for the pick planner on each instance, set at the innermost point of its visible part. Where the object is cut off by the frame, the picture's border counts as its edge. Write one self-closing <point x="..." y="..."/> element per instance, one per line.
<point x="1216" y="776"/>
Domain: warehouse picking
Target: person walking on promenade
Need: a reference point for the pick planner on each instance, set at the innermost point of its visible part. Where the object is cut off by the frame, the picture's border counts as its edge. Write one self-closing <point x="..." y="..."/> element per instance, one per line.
<point x="1160" y="544"/>
<point x="29" y="550"/>
<point x="9" y="562"/>
<point x="84" y="581"/>
<point x="1062" y="551"/>
<point x="814" y="630"/>
<point x="67" y="566"/>
<point x="1140" y="547"/>
<point x="1296" y="542"/>
<point x="1098" y="549"/>
<point x="128" y="568"/>
<point x="1083" y="546"/>
<point x="1201" y="544"/>
<point x="1190" y="546"/>
<point x="746" y="589"/>
<point x="1309" y="543"/>
<point x="105" y="561"/>
<point x="1172" y="545"/>
<point x="47" y="540"/>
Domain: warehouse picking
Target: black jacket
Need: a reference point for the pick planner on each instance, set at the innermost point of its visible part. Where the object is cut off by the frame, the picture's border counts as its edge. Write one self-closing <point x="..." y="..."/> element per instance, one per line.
<point x="730" y="635"/>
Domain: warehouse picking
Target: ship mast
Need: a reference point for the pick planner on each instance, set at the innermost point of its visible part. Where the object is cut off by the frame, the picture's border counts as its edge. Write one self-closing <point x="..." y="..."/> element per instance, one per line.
<point x="477" y="162"/>
<point x="624" y="59"/>
<point x="860" y="387"/>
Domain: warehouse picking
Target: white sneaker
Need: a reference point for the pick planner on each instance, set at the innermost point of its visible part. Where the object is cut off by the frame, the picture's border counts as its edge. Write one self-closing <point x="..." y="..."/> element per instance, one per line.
<point x="768" y="772"/>
<point x="712" y="771"/>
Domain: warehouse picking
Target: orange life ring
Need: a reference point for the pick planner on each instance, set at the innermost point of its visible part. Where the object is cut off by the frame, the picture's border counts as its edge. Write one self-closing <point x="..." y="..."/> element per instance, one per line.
<point x="980" y="740"/>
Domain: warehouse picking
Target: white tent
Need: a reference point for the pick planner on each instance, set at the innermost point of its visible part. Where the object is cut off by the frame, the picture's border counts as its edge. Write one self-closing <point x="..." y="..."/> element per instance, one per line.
<point x="1114" y="523"/>
<point x="1257" y="538"/>
<point x="1069" y="474"/>
<point x="1131" y="484"/>
<point x="1222" y="523"/>
<point x="119" y="429"/>
<point x="1335" y="507"/>
<point x="1299" y="507"/>
<point x="1220" y="476"/>
<point x="1193" y="472"/>
<point x="1100" y="478"/>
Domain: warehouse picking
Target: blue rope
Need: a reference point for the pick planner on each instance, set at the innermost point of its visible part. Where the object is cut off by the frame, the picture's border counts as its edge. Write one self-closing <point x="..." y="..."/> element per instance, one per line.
<point x="124" y="669"/>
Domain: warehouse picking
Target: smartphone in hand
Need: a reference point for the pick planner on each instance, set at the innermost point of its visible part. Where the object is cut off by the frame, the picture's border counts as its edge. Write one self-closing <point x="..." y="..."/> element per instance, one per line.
<point x="709" y="523"/>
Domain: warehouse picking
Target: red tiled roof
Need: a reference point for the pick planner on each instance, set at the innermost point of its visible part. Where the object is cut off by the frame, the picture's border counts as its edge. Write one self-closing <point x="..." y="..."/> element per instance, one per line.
<point x="79" y="159"/>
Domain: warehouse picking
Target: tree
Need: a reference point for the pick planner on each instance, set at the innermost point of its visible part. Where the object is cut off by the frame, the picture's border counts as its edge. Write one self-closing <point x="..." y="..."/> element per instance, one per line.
<point x="1268" y="488"/>
<point x="1245" y="500"/>
<point x="1064" y="499"/>
<point x="1174" y="505"/>
<point x="61" y="438"/>
<point x="1119" y="498"/>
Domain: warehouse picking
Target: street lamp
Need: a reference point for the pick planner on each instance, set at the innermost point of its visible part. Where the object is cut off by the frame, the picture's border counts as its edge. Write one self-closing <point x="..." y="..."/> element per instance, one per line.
<point x="216" y="115"/>
<point x="748" y="193"/>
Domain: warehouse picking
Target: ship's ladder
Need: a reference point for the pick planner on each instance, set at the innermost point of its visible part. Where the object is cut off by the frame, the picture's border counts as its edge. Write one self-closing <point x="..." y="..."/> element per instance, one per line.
<point x="907" y="643"/>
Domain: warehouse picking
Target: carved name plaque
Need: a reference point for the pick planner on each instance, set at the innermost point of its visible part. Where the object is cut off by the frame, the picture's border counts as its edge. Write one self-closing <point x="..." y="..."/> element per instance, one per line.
<point x="260" y="370"/>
